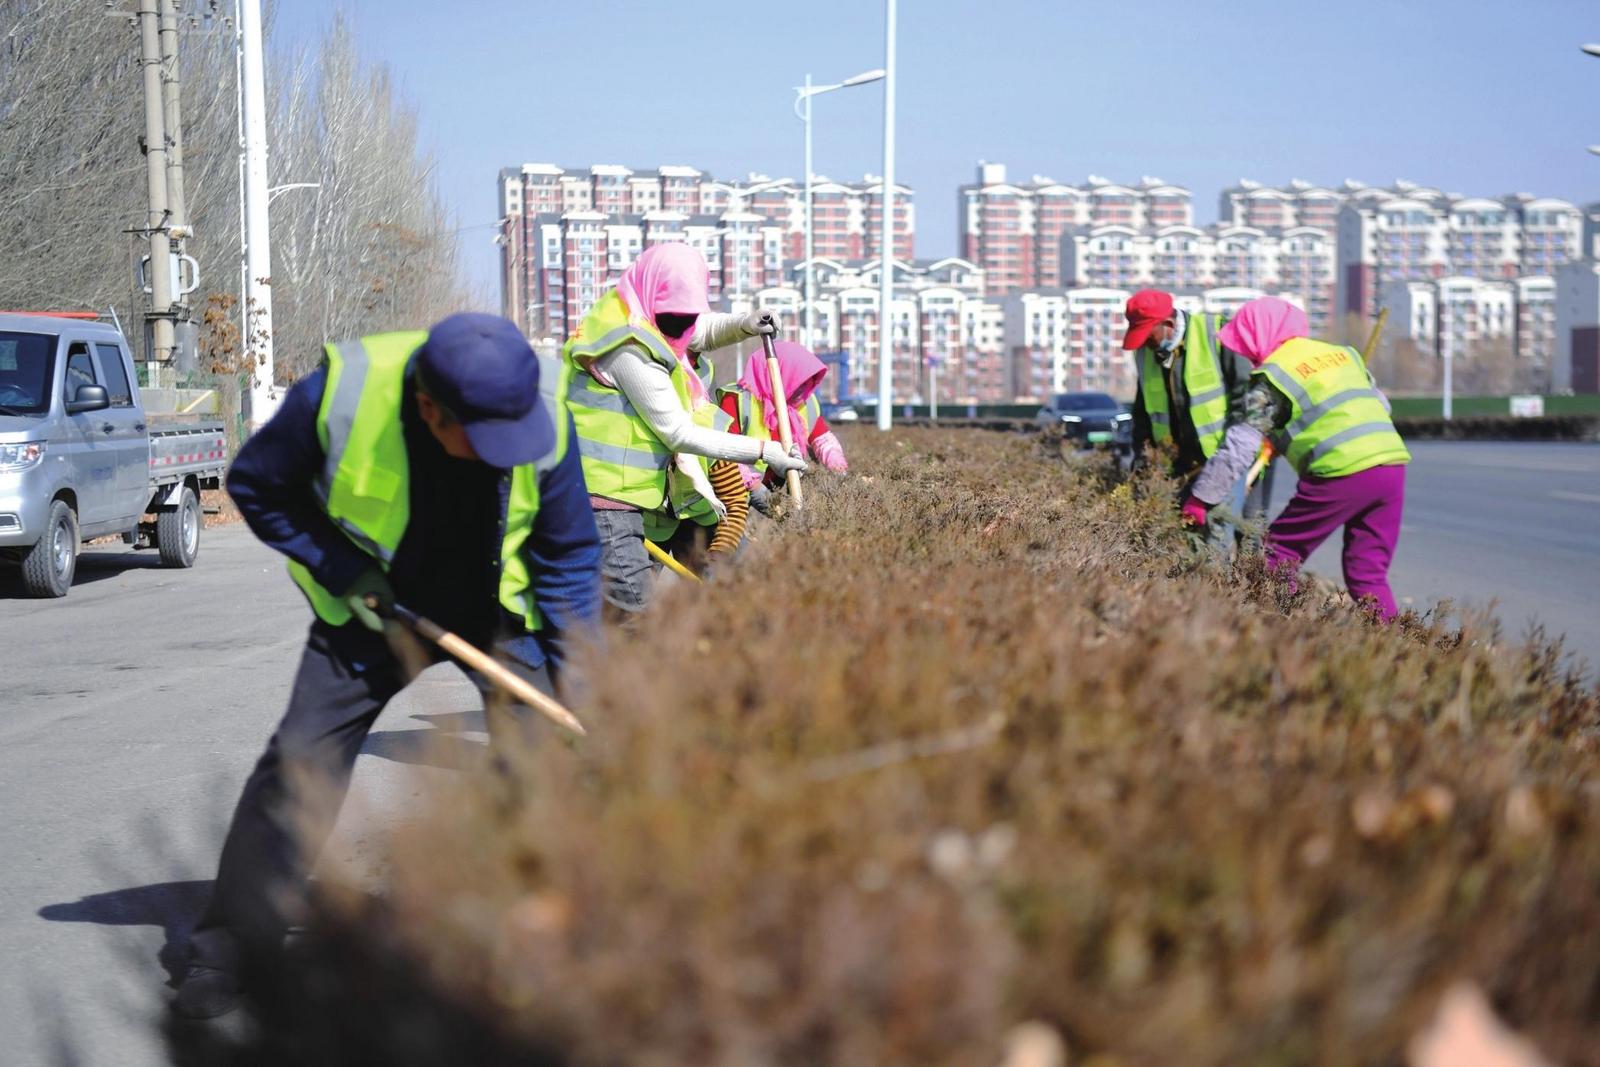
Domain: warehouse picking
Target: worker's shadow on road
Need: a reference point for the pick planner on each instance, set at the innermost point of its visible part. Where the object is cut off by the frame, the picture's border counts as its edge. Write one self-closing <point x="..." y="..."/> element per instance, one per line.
<point x="442" y="746"/>
<point x="169" y="905"/>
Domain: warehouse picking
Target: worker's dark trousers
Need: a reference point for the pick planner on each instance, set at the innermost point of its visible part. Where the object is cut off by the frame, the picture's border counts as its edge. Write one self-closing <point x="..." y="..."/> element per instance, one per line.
<point x="347" y="675"/>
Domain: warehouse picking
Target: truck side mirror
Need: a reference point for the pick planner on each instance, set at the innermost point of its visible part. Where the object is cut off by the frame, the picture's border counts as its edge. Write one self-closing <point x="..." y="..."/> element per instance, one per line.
<point x="88" y="398"/>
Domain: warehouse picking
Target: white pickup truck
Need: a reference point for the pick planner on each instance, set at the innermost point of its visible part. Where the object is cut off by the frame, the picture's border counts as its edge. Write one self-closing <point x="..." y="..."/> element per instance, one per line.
<point x="79" y="459"/>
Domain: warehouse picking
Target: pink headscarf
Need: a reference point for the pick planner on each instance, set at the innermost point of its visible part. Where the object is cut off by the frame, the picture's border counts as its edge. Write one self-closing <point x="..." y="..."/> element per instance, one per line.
<point x="802" y="373"/>
<point x="672" y="279"/>
<point x="1262" y="326"/>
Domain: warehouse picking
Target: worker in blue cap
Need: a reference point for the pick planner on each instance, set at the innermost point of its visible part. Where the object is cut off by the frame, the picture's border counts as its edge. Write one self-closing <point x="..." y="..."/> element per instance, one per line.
<point x="437" y="469"/>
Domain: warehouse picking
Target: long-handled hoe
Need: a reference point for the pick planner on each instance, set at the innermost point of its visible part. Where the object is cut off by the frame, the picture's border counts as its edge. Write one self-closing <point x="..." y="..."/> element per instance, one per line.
<point x="498" y="674"/>
<point x="781" y="398"/>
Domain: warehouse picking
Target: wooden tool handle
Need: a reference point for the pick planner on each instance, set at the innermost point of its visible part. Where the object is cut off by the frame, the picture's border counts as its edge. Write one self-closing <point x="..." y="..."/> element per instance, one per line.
<point x="780" y="400"/>
<point x="667" y="561"/>
<point x="497" y="673"/>
<point x="1262" y="459"/>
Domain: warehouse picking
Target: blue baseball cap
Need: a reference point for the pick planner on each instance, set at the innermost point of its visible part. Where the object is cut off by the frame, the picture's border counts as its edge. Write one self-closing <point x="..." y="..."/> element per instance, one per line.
<point x="483" y="369"/>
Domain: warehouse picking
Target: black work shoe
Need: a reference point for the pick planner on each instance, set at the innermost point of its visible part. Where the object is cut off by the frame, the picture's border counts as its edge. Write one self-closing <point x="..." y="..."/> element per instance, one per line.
<point x="206" y="993"/>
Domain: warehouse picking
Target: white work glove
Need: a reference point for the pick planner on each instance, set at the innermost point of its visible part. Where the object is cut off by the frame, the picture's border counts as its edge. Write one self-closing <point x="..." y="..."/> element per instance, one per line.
<point x="773" y="455"/>
<point x="760" y="321"/>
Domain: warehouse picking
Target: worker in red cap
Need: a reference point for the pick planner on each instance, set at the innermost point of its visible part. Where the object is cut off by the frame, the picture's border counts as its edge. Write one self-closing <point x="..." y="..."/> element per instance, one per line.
<point x="1191" y="388"/>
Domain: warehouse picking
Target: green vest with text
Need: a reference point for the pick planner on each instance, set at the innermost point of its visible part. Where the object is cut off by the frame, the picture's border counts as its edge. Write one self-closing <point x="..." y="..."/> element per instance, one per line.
<point x="623" y="459"/>
<point x="1202" y="379"/>
<point x="1340" y="420"/>
<point x="753" y="419"/>
<point x="365" y="483"/>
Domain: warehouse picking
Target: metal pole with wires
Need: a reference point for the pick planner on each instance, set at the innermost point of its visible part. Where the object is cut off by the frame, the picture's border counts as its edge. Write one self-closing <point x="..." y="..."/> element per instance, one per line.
<point x="159" y="218"/>
<point x="802" y="109"/>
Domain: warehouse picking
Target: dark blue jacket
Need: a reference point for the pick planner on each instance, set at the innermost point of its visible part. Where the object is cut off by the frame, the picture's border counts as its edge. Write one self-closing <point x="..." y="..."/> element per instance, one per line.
<point x="447" y="565"/>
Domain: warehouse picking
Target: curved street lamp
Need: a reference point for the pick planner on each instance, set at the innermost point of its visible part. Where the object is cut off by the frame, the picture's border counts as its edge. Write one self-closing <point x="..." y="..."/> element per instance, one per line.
<point x="802" y="96"/>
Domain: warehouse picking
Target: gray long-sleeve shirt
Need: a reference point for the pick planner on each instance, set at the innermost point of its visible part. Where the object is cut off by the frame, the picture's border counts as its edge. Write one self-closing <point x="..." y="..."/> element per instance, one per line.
<point x="1267" y="412"/>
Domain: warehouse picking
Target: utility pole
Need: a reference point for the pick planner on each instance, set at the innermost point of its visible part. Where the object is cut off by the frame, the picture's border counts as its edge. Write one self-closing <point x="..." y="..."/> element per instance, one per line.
<point x="160" y="315"/>
<point x="258" y="248"/>
<point x="184" y="332"/>
<point x="173" y="116"/>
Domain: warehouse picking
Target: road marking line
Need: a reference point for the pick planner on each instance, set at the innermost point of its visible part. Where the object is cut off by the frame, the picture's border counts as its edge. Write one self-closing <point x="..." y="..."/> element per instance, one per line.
<point x="1582" y="498"/>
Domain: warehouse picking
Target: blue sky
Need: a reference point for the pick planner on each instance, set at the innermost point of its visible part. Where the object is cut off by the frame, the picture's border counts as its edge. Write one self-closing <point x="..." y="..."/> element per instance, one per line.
<point x="1475" y="96"/>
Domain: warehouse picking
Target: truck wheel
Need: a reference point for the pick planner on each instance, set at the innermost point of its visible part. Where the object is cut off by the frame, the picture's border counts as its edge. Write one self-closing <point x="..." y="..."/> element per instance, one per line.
<point x="178" y="531"/>
<point x="48" y="567"/>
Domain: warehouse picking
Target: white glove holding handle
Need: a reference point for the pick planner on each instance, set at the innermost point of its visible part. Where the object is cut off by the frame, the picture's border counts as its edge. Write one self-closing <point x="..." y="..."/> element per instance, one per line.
<point x="760" y="321"/>
<point x="773" y="455"/>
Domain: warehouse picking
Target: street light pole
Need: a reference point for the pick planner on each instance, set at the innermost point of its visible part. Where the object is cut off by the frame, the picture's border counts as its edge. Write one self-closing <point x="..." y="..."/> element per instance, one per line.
<point x="886" y="283"/>
<point x="803" y="95"/>
<point x="810" y="293"/>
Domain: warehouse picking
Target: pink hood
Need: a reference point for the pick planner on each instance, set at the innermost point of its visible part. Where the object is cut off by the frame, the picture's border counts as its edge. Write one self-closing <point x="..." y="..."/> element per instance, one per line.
<point x="673" y="279"/>
<point x="1262" y="326"/>
<point x="802" y="373"/>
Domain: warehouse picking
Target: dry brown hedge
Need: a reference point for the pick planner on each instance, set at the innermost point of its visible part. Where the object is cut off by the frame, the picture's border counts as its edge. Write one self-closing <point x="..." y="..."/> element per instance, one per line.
<point x="976" y="739"/>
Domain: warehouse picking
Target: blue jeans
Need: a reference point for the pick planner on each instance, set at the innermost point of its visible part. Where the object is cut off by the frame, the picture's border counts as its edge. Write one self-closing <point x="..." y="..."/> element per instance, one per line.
<point x="626" y="572"/>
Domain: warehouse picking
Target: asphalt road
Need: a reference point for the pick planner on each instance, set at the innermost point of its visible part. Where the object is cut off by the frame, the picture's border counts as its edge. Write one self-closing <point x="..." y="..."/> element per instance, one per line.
<point x="1510" y="526"/>
<point x="131" y="711"/>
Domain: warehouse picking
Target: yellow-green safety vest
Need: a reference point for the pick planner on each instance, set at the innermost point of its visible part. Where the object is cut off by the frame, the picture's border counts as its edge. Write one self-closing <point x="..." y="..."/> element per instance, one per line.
<point x="365" y="483"/>
<point x="682" y="500"/>
<point x="623" y="459"/>
<point x="1340" y="422"/>
<point x="1202" y="378"/>
<point x="753" y="419"/>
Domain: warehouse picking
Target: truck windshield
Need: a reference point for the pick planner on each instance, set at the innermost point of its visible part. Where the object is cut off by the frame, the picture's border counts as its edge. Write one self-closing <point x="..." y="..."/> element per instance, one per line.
<point x="26" y="361"/>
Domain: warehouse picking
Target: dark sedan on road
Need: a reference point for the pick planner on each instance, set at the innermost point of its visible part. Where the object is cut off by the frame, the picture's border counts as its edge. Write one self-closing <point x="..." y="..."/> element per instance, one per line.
<point x="1089" y="419"/>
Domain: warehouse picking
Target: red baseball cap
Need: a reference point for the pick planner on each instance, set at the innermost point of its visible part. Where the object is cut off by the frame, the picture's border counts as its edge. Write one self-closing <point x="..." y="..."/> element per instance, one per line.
<point x="1146" y="309"/>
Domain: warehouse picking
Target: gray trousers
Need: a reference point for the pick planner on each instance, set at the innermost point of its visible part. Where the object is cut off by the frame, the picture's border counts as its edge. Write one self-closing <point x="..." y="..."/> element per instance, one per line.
<point x="626" y="572"/>
<point x="347" y="674"/>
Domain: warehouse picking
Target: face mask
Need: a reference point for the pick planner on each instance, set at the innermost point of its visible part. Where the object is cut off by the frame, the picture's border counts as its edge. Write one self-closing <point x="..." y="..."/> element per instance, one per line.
<point x="1175" y="338"/>
<point x="674" y="325"/>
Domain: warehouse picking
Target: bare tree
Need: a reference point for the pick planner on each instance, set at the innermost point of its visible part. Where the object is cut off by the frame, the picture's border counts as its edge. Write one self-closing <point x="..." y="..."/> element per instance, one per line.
<point x="371" y="249"/>
<point x="71" y="165"/>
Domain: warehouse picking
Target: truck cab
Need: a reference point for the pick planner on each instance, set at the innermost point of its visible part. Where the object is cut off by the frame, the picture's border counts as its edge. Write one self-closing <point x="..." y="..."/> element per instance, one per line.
<point x="76" y="455"/>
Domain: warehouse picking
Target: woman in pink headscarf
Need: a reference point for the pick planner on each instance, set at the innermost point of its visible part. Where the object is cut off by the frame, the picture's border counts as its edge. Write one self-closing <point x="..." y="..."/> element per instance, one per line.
<point x="636" y="401"/>
<point x="752" y="404"/>
<point x="1318" y="405"/>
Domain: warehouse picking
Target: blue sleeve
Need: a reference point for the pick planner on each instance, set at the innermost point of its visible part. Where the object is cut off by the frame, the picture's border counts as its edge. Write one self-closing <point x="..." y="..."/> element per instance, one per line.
<point x="564" y="553"/>
<point x="271" y="481"/>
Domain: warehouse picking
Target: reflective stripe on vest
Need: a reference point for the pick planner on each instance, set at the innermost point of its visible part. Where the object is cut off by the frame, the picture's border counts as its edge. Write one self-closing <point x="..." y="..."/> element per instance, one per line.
<point x="365" y="484"/>
<point x="705" y="372"/>
<point x="1202" y="381"/>
<point x="1339" y="421"/>
<point x="623" y="459"/>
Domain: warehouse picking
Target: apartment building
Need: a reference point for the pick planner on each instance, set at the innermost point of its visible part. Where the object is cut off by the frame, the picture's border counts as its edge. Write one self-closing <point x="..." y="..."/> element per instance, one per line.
<point x="1014" y="231"/>
<point x="1414" y="233"/>
<point x="940" y="320"/>
<point x="567" y="233"/>
<point x="1457" y="315"/>
<point x="1575" y="364"/>
<point x="1299" y="260"/>
<point x="1278" y="208"/>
